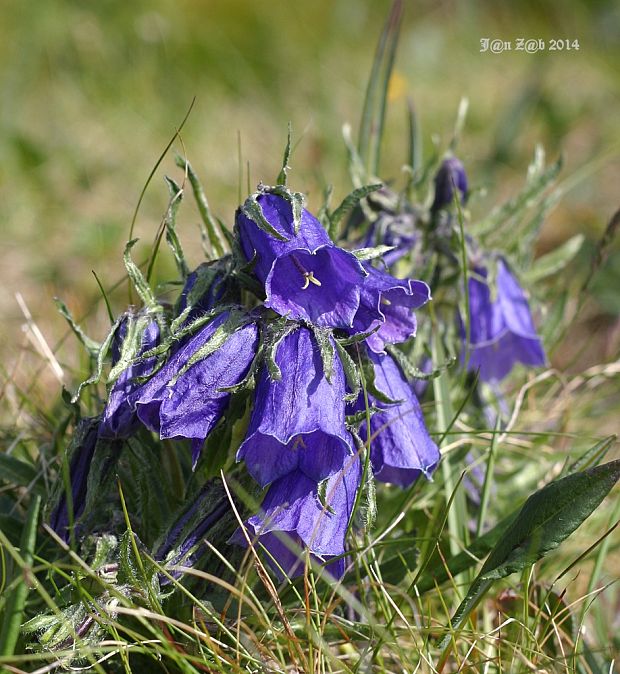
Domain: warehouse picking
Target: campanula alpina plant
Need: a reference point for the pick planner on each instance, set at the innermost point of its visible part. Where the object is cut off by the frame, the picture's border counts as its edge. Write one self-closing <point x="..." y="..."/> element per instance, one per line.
<point x="282" y="462"/>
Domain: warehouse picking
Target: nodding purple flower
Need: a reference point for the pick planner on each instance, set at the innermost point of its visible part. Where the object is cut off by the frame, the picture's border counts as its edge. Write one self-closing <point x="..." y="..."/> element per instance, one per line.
<point x="388" y="303"/>
<point x="451" y="174"/>
<point x="185" y="398"/>
<point x="502" y="331"/>
<point x="401" y="448"/>
<point x="298" y="515"/>
<point x="180" y="544"/>
<point x="298" y="422"/>
<point x="306" y="276"/>
<point x="119" y="418"/>
<point x="80" y="459"/>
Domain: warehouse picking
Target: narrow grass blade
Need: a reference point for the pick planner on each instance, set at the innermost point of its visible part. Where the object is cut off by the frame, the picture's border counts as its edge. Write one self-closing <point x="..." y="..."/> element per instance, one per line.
<point x="13" y="616"/>
<point x="375" y="102"/>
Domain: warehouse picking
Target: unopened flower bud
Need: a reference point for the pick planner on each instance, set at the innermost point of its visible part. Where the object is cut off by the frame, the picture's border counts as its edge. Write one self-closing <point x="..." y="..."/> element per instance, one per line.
<point x="451" y="174"/>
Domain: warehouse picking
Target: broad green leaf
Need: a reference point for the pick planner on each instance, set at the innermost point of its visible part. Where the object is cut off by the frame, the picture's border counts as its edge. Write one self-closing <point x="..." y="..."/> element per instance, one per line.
<point x="483" y="544"/>
<point x="547" y="518"/>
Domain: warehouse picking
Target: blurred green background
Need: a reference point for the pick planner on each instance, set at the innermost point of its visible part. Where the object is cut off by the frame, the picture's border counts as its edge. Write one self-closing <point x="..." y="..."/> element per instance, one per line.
<point x="93" y="91"/>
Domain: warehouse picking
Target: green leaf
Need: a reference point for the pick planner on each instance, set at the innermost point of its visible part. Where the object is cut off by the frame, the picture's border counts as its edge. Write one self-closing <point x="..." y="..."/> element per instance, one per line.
<point x="547" y="518"/>
<point x="350" y="201"/>
<point x="415" y="139"/>
<point x="357" y="171"/>
<point x="413" y="372"/>
<point x="350" y="371"/>
<point x="137" y="278"/>
<point x="321" y="493"/>
<point x="89" y="344"/>
<point x="128" y="572"/>
<point x="101" y="356"/>
<point x="483" y="544"/>
<point x="363" y="254"/>
<point x="271" y="337"/>
<point x="554" y="261"/>
<point x="176" y="195"/>
<point x="323" y="216"/>
<point x="217" y="339"/>
<point x="295" y="199"/>
<point x="212" y="241"/>
<point x="326" y="347"/>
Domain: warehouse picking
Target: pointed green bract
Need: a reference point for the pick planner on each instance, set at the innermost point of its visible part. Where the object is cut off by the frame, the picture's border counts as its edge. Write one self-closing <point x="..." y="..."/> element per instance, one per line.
<point x="137" y="278"/>
<point x="251" y="208"/>
<point x="101" y="357"/>
<point x="326" y="347"/>
<point x="89" y="344"/>
<point x="176" y="196"/>
<point x="212" y="242"/>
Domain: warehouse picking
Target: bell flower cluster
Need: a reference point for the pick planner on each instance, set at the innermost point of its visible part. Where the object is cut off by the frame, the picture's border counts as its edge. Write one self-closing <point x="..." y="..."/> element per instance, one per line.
<point x="317" y="304"/>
